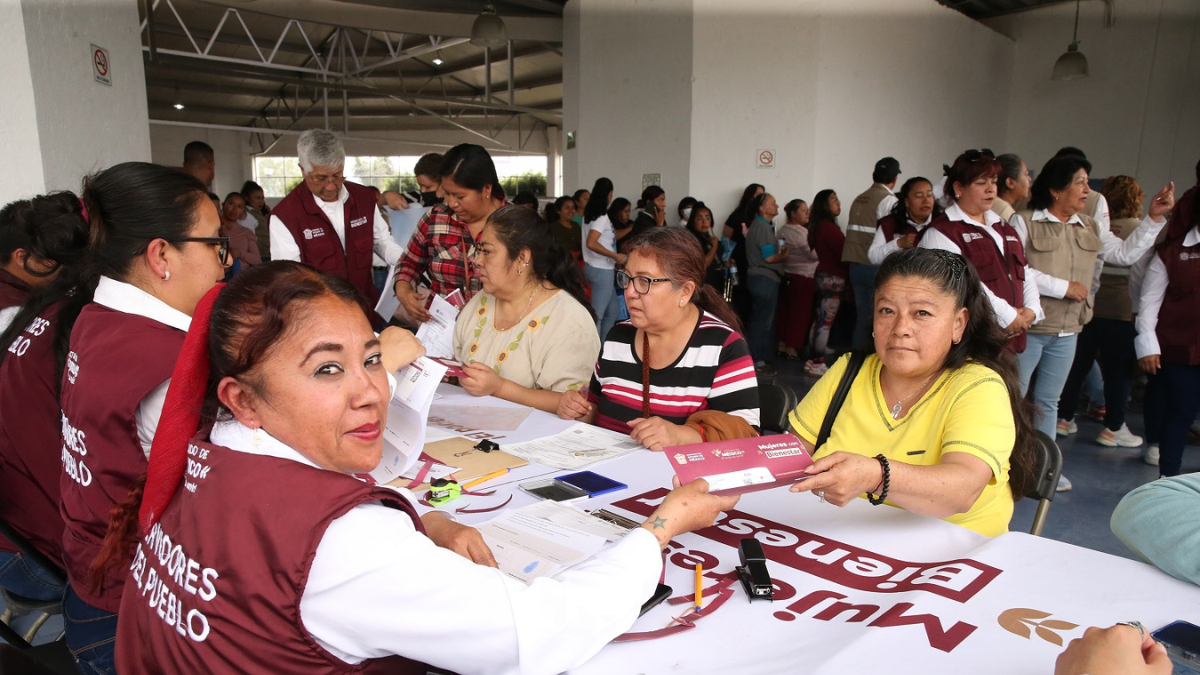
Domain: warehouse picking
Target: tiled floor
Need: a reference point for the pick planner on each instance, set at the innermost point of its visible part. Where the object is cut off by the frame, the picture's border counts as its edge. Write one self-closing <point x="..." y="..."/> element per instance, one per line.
<point x="1101" y="476"/>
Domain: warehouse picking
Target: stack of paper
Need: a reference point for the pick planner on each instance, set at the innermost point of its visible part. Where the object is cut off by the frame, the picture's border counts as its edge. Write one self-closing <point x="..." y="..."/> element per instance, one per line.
<point x="543" y="538"/>
<point x="579" y="446"/>
<point x="404" y="434"/>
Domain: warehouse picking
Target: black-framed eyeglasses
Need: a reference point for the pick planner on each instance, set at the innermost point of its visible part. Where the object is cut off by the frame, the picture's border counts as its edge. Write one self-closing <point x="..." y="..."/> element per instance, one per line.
<point x="640" y="284"/>
<point x="222" y="245"/>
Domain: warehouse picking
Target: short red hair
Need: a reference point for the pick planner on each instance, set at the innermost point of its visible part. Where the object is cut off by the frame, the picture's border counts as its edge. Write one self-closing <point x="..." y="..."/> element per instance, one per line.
<point x="969" y="167"/>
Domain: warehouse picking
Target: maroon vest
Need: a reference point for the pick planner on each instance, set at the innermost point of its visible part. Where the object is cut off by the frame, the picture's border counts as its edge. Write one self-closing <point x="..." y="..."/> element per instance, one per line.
<point x="319" y="244"/>
<point x="224" y="592"/>
<point x="30" y="440"/>
<point x="1178" y="327"/>
<point x="116" y="359"/>
<point x="893" y="231"/>
<point x="1002" y="272"/>
<point x="13" y="291"/>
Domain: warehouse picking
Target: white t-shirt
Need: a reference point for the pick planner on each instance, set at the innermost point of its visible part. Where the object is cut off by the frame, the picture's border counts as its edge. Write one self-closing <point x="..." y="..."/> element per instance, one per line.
<point x="608" y="239"/>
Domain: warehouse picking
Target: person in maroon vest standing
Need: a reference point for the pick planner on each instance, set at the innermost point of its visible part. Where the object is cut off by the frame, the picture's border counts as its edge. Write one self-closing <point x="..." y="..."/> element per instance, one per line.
<point x="1168" y="337"/>
<point x="30" y="370"/>
<point x="156" y="251"/>
<point x="969" y="227"/>
<point x="914" y="210"/>
<point x="345" y="579"/>
<point x="329" y="222"/>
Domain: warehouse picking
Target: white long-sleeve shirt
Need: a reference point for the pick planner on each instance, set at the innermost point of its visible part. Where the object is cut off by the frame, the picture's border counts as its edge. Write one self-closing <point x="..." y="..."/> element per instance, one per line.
<point x="1005" y="313"/>
<point x="377" y="588"/>
<point x="1154" y="289"/>
<point x="882" y="248"/>
<point x="130" y="299"/>
<point x="284" y="246"/>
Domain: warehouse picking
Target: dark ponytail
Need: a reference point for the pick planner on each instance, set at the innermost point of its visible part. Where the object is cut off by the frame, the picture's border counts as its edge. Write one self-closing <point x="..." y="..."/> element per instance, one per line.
<point x="679" y="253"/>
<point x="471" y="166"/>
<point x="983" y="342"/>
<point x="519" y="228"/>
<point x="598" y="203"/>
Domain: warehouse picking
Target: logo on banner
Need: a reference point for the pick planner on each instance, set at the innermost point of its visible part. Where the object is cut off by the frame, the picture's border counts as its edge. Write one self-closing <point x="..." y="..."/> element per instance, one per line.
<point x="1027" y="622"/>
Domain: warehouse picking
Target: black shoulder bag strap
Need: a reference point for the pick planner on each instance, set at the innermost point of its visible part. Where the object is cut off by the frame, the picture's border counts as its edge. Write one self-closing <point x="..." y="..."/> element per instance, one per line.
<point x="839" y="396"/>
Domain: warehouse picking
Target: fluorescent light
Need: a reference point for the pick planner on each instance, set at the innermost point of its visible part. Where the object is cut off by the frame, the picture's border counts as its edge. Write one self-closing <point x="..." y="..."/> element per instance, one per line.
<point x="179" y="106"/>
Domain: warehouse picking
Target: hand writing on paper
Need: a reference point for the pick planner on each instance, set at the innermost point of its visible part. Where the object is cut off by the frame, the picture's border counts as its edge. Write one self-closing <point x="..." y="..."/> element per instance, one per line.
<point x="687" y="508"/>
<point x="1119" y="650"/>
<point x="656" y="433"/>
<point x="573" y="405"/>
<point x="841" y="477"/>
<point x="398" y="348"/>
<point x="463" y="540"/>
<point x="480" y="380"/>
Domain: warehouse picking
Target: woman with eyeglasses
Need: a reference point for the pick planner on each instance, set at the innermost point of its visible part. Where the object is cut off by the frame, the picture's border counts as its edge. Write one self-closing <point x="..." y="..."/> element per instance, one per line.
<point x="528" y="335"/>
<point x="155" y="251"/>
<point x="679" y="353"/>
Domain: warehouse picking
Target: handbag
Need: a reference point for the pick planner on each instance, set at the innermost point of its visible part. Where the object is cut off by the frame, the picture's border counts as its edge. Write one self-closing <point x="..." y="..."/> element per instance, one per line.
<point x="839" y="396"/>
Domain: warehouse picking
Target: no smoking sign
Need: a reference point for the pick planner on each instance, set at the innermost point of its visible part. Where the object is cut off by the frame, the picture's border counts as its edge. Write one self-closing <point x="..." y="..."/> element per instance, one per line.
<point x="100" y="68"/>
<point x="766" y="159"/>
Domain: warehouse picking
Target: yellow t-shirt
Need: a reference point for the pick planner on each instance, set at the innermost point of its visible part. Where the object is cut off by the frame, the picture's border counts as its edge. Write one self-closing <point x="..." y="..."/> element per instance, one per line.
<point x="966" y="410"/>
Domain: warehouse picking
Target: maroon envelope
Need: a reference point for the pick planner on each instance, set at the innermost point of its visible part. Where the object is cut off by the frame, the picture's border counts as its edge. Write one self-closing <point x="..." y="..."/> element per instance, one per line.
<point x="741" y="465"/>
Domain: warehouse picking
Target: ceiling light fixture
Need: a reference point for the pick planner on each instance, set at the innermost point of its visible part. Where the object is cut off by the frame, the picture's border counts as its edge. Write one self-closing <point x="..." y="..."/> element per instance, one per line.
<point x="437" y="58"/>
<point x="178" y="100"/>
<point x="489" y="29"/>
<point x="1072" y="65"/>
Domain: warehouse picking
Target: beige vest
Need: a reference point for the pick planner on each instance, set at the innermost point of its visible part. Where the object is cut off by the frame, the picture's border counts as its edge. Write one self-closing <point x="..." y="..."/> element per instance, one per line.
<point x="1066" y="252"/>
<point x="1093" y="203"/>
<point x="1002" y="209"/>
<point x="862" y="224"/>
<point x="1112" y="300"/>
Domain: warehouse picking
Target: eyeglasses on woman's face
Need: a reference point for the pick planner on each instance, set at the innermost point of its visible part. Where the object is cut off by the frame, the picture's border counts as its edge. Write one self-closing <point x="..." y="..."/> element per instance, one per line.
<point x="222" y="244"/>
<point x="640" y="284"/>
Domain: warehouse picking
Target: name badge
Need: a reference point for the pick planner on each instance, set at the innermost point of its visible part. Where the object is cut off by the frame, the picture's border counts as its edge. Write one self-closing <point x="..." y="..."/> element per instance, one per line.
<point x="314" y="233"/>
<point x="358" y="221"/>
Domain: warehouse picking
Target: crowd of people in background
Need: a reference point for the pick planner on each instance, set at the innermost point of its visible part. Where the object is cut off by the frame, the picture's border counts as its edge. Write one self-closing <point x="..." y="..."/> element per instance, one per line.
<point x="991" y="295"/>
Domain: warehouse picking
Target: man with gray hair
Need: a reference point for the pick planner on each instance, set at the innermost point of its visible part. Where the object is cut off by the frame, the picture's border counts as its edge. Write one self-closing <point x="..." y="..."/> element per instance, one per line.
<point x="329" y="222"/>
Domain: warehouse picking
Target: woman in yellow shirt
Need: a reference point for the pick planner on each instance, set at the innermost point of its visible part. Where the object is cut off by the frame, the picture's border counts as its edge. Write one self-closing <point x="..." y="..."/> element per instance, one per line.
<point x="934" y="422"/>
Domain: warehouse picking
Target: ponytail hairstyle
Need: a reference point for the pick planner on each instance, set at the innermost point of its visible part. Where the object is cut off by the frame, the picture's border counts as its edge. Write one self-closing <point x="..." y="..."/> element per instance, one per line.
<point x="471" y="166"/>
<point x="598" y="203"/>
<point x="618" y="205"/>
<point x="679" y="254"/>
<point x="54" y="230"/>
<point x="982" y="342"/>
<point x="651" y="193"/>
<point x="1010" y="168"/>
<point x="899" y="212"/>
<point x="248" y="316"/>
<point x="518" y="228"/>
<point x="818" y="215"/>
<point x="554" y="209"/>
<point x="792" y="207"/>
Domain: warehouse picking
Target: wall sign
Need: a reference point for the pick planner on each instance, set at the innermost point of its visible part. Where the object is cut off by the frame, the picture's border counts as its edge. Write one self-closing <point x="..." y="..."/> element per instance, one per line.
<point x="766" y="159"/>
<point x="100" y="68"/>
<point x="649" y="179"/>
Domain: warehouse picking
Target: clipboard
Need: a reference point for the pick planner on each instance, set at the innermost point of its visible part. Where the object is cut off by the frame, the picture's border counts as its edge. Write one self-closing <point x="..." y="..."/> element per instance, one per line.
<point x="472" y="463"/>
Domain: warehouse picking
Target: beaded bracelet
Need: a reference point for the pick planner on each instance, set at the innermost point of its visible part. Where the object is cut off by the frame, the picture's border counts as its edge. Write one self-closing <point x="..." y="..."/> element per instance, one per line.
<point x="887" y="482"/>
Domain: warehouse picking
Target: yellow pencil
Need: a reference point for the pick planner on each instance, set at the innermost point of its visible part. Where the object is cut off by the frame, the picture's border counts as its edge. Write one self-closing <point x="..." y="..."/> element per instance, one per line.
<point x="699" y="585"/>
<point x="484" y="479"/>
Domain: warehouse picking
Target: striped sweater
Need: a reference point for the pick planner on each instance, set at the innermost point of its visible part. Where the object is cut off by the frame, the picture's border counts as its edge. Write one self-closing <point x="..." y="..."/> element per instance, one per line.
<point x="714" y="372"/>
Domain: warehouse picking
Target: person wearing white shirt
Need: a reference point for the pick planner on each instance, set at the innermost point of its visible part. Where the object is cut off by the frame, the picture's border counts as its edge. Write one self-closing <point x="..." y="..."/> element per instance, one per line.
<point x="1167" y="335"/>
<point x="1064" y="246"/>
<point x="600" y="255"/>
<point x="374" y="582"/>
<point x="902" y="226"/>
<point x="325" y="207"/>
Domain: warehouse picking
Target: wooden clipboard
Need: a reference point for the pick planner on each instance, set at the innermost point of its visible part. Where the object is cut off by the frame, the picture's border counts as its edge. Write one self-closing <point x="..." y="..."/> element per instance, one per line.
<point x="472" y="463"/>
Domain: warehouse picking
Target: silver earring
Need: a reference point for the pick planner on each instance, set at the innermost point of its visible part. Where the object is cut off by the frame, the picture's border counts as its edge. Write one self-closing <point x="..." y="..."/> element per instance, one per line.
<point x="167" y="275"/>
<point x="682" y="302"/>
<point x="872" y="333"/>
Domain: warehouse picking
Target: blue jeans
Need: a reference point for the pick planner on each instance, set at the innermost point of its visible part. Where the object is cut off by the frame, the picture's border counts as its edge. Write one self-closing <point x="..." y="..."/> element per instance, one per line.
<point x="862" y="280"/>
<point x="764" y="299"/>
<point x="91" y="636"/>
<point x="604" y="297"/>
<point x="1051" y="357"/>
<point x="22" y="576"/>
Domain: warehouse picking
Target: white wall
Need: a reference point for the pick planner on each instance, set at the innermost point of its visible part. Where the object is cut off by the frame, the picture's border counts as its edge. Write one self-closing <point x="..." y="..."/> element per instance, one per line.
<point x="1136" y="113"/>
<point x="230" y="148"/>
<point x="833" y="86"/>
<point x="632" y="104"/>
<point x="18" y="115"/>
<point x="84" y="126"/>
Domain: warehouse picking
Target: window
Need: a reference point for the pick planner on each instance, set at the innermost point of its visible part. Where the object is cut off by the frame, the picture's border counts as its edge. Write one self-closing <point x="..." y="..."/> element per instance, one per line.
<point x="278" y="175"/>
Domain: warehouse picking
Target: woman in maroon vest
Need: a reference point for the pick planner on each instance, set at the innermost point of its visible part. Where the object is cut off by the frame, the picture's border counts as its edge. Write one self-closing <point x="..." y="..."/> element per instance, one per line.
<point x="24" y="239"/>
<point x="346" y="578"/>
<point x="1168" y="337"/>
<point x="969" y="227"/>
<point x="156" y="252"/>
<point x="915" y="209"/>
<point x="31" y="363"/>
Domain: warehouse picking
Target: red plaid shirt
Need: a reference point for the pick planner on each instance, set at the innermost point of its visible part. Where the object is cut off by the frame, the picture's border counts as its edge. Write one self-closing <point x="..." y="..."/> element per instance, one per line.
<point x="444" y="248"/>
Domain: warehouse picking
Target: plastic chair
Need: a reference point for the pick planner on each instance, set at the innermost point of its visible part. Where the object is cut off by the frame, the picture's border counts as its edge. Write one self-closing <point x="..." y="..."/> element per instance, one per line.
<point x="775" y="401"/>
<point x="16" y="605"/>
<point x="1045" y="485"/>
